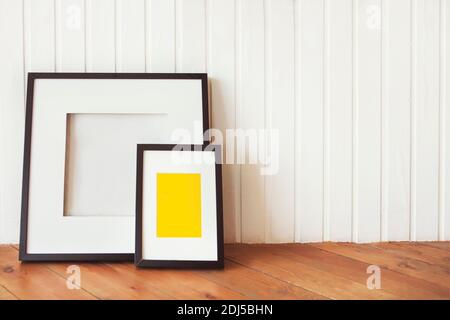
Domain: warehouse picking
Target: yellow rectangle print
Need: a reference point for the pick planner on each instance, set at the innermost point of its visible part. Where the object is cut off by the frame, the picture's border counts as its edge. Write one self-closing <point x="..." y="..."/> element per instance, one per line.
<point x="178" y="205"/>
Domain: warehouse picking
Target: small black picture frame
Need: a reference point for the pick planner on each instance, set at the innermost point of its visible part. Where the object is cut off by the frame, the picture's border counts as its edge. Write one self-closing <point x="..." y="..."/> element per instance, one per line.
<point x="210" y="264"/>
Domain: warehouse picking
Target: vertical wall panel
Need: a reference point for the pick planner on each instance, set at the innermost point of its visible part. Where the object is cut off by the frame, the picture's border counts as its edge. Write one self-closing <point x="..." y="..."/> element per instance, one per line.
<point x="311" y="122"/>
<point x="426" y="126"/>
<point x="100" y="36"/>
<point x="130" y="35"/>
<point x="251" y="112"/>
<point x="279" y="181"/>
<point x="368" y="120"/>
<point x="221" y="72"/>
<point x="70" y="35"/>
<point x="396" y="118"/>
<point x="39" y="35"/>
<point x="160" y="35"/>
<point x="340" y="119"/>
<point x="38" y="56"/>
<point x="191" y="36"/>
<point x="12" y="117"/>
<point x="297" y="116"/>
<point x="445" y="107"/>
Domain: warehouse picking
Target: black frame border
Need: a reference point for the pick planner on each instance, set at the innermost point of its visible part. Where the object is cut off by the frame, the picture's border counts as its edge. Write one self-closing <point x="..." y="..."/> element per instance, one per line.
<point x="32" y="76"/>
<point x="139" y="261"/>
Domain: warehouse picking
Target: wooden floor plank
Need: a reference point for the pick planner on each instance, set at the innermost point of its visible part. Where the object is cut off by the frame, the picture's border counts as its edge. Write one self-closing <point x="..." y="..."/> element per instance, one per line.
<point x="444" y="245"/>
<point x="393" y="261"/>
<point x="180" y="284"/>
<point x="256" y="285"/>
<point x="276" y="264"/>
<point x="6" y="295"/>
<point x="402" y="286"/>
<point x="106" y="282"/>
<point x="418" y="251"/>
<point x="33" y="281"/>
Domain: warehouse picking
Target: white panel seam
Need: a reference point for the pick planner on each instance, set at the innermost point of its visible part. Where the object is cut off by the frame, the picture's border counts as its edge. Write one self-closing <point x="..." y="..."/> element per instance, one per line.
<point x="237" y="173"/>
<point x="412" y="235"/>
<point x="175" y="35"/>
<point x="297" y="101"/>
<point x="238" y="102"/>
<point x="24" y="61"/>
<point x="118" y="35"/>
<point x="384" y="184"/>
<point x="146" y="33"/>
<point x="442" y="115"/>
<point x="178" y="36"/>
<point x="267" y="106"/>
<point x="57" y="35"/>
<point x="326" y="121"/>
<point x="206" y="35"/>
<point x="88" y="37"/>
<point x="355" y="121"/>
<point x="85" y="34"/>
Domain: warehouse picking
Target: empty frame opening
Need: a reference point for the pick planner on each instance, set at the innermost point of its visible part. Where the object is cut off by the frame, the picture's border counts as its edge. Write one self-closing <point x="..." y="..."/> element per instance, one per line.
<point x="100" y="168"/>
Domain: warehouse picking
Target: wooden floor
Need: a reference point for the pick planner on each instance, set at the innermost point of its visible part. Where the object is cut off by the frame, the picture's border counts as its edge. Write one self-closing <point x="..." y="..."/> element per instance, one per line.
<point x="289" y="271"/>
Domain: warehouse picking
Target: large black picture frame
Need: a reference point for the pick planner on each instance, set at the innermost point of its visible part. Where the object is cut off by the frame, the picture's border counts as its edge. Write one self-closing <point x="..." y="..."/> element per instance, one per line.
<point x="23" y="253"/>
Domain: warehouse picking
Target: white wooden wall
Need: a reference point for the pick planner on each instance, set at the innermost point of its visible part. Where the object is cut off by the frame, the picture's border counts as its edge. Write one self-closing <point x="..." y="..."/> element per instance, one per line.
<point x="358" y="89"/>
